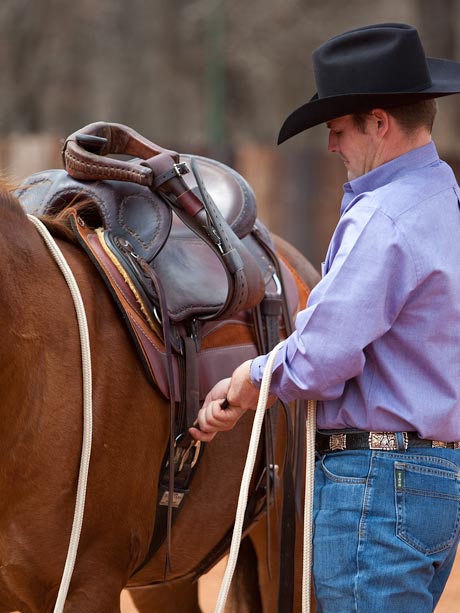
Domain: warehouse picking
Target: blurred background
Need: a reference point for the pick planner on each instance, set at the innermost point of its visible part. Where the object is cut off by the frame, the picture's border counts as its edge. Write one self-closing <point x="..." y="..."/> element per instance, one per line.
<point x="212" y="77"/>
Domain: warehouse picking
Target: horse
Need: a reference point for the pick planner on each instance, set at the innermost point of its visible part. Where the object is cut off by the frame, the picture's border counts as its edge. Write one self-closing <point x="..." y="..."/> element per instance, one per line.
<point x="41" y="434"/>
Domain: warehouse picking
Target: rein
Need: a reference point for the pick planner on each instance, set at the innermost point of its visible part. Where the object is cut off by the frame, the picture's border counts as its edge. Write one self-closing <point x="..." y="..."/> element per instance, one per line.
<point x="87" y="411"/>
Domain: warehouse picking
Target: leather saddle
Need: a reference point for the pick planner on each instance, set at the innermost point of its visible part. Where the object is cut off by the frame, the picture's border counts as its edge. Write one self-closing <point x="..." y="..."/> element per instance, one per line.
<point x="180" y="274"/>
<point x="195" y="274"/>
<point x="139" y="223"/>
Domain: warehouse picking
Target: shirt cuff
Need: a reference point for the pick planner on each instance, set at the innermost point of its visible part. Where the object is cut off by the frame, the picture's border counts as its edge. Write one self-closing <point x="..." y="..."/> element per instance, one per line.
<point x="257" y="370"/>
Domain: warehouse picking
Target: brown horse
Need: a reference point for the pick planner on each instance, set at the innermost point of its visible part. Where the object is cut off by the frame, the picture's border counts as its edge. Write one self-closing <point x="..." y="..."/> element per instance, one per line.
<point x="41" y="434"/>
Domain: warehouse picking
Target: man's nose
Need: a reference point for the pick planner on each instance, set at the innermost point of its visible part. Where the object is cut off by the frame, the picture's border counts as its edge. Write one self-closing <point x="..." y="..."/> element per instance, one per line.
<point x="332" y="144"/>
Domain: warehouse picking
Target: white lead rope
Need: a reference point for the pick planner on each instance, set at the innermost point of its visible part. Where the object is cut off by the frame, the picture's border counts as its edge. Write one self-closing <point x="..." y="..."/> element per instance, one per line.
<point x="87" y="411"/>
<point x="245" y="481"/>
<point x="244" y="489"/>
<point x="308" y="506"/>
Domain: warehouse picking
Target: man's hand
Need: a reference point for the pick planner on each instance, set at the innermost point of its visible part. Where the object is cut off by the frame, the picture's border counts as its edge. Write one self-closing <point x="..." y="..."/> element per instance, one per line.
<point x="240" y="394"/>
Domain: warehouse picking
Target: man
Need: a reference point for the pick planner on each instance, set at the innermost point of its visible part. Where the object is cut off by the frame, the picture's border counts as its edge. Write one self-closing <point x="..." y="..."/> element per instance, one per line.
<point x="379" y="342"/>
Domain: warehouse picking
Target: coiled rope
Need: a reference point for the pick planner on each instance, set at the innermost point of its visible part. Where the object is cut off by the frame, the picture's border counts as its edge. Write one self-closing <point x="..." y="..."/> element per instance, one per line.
<point x="87" y="411"/>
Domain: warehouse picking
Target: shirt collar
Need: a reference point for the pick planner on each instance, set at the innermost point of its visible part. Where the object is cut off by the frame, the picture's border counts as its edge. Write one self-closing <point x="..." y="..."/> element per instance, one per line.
<point x="384" y="174"/>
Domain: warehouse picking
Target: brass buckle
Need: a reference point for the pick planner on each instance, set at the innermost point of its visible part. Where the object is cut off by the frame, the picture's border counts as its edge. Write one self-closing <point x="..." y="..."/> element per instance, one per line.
<point x="385" y="441"/>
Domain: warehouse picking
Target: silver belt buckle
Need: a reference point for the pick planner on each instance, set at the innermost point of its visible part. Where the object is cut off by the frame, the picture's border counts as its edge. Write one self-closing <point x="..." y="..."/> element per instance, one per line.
<point x="385" y="441"/>
<point x="338" y="442"/>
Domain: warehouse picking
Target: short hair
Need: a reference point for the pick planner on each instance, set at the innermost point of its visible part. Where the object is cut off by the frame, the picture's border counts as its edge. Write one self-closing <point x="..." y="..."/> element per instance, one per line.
<point x="410" y="117"/>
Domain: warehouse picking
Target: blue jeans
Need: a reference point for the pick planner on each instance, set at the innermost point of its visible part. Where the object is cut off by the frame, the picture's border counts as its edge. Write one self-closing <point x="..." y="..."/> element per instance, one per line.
<point x="386" y="529"/>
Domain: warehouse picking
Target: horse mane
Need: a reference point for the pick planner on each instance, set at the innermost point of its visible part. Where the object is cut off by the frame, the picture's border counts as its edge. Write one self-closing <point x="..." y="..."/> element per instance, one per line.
<point x="58" y="223"/>
<point x="8" y="200"/>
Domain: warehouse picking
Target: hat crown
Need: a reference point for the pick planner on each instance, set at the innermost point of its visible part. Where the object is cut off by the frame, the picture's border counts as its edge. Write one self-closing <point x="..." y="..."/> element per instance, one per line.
<point x="383" y="58"/>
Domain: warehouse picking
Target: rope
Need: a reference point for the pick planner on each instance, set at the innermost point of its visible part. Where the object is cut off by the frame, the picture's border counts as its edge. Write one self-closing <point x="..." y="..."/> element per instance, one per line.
<point x="245" y="481"/>
<point x="308" y="507"/>
<point x="244" y="489"/>
<point x="87" y="411"/>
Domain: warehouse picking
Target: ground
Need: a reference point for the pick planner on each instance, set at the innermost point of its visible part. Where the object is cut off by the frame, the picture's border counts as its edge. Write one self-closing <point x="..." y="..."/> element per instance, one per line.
<point x="209" y="588"/>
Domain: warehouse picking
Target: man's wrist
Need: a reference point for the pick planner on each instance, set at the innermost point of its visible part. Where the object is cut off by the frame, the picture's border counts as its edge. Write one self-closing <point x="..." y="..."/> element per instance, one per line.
<point x="254" y="377"/>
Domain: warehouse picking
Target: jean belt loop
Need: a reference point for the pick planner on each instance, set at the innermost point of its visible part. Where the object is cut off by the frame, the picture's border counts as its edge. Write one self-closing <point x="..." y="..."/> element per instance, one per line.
<point x="400" y="441"/>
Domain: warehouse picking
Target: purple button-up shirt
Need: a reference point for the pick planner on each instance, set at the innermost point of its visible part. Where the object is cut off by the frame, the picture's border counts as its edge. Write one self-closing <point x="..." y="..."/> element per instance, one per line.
<point x="379" y="341"/>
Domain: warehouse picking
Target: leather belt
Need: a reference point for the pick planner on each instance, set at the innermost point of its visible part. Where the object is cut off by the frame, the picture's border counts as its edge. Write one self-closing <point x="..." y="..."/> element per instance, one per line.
<point x="376" y="441"/>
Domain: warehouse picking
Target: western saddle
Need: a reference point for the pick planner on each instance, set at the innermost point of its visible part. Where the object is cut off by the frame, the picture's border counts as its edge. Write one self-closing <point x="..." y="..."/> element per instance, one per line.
<point x="195" y="274"/>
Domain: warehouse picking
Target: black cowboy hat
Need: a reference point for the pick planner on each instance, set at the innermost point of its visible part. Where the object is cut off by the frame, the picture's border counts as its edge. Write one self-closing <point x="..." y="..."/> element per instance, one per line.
<point x="380" y="65"/>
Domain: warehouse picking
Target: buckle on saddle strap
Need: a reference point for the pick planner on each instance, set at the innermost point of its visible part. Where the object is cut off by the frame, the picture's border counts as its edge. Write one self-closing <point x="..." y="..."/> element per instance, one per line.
<point x="177" y="170"/>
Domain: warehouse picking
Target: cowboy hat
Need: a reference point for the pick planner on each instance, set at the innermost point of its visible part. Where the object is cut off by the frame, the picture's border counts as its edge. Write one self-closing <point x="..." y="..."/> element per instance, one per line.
<point x="380" y="65"/>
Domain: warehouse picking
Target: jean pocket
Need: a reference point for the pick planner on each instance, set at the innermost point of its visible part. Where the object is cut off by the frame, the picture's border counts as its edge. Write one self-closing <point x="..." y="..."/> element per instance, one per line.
<point x="427" y="506"/>
<point x="352" y="468"/>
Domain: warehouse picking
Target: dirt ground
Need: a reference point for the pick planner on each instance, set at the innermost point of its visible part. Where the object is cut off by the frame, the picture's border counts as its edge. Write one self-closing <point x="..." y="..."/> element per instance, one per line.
<point x="209" y="589"/>
<point x="450" y="600"/>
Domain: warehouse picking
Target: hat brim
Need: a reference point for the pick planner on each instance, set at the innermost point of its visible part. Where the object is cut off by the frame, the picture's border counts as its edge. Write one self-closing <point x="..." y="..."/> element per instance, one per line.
<point x="445" y="77"/>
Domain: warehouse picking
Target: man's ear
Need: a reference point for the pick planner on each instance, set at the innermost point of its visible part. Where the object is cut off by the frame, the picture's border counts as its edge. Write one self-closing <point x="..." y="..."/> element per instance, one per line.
<point x="382" y="121"/>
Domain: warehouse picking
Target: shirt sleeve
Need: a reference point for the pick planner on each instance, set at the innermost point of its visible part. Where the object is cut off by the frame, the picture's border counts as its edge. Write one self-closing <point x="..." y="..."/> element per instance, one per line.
<point x="371" y="275"/>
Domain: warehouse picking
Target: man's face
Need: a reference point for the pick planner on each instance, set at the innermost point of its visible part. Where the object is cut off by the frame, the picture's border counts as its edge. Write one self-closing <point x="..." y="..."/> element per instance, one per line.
<point x="358" y="149"/>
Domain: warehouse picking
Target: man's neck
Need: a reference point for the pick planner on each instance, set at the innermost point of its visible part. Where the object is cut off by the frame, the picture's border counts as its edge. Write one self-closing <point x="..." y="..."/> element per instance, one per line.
<point x="404" y="143"/>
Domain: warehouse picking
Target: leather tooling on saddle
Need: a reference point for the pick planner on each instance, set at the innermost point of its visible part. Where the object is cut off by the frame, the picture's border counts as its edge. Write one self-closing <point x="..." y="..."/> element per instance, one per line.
<point x="191" y="268"/>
